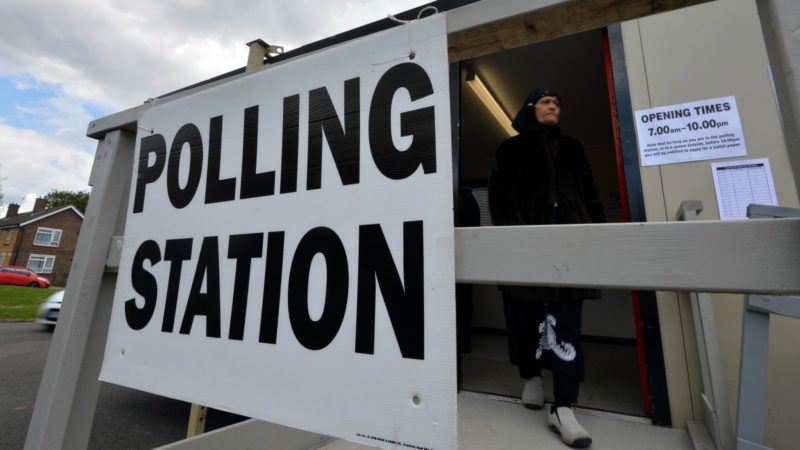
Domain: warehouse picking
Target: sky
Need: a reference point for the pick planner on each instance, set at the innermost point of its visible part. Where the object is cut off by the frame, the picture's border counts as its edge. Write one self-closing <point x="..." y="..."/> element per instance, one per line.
<point x="64" y="63"/>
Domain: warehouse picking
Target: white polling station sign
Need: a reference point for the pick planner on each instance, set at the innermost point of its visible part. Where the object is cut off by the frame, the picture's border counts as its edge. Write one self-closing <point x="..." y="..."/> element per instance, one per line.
<point x="288" y="250"/>
<point x="696" y="131"/>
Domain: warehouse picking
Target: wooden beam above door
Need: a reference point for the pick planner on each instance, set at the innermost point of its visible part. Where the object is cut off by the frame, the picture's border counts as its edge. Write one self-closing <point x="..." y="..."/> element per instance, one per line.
<point x="548" y="23"/>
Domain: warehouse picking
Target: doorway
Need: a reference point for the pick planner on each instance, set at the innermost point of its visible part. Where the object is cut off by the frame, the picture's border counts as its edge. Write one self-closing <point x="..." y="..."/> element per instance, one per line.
<point x="492" y="89"/>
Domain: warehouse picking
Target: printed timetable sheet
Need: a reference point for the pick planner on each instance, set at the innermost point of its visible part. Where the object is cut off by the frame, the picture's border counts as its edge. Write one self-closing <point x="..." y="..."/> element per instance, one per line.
<point x="740" y="183"/>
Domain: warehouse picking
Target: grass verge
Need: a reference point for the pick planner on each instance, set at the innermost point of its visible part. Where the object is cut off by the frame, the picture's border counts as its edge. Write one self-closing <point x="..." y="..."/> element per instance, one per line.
<point x="20" y="303"/>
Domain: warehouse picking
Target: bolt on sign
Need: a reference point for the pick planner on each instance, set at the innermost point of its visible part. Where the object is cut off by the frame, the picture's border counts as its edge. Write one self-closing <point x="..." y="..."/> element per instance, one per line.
<point x="288" y="249"/>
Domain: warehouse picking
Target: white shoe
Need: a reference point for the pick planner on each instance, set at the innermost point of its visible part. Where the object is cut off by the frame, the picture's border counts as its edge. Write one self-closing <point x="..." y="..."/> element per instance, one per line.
<point x="532" y="395"/>
<point x="563" y="422"/>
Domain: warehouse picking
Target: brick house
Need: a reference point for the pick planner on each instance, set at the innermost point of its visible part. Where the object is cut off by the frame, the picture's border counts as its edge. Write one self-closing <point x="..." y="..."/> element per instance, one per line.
<point x="43" y="239"/>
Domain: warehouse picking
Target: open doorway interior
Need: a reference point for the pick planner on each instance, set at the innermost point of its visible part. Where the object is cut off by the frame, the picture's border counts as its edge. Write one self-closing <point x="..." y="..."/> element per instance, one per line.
<point x="493" y="88"/>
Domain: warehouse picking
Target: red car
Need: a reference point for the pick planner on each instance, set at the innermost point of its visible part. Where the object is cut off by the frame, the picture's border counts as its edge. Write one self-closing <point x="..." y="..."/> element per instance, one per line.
<point x="22" y="276"/>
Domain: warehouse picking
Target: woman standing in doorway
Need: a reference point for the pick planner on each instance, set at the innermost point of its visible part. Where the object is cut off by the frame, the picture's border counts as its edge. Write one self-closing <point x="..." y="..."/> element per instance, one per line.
<point x="543" y="177"/>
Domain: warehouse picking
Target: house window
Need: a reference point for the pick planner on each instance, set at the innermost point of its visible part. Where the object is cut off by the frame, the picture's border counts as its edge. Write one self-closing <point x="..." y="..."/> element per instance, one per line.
<point x="3" y="259"/>
<point x="41" y="263"/>
<point x="8" y="236"/>
<point x="47" y="237"/>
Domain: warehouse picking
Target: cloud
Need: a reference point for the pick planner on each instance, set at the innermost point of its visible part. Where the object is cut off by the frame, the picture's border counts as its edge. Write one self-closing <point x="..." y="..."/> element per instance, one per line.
<point x="39" y="164"/>
<point x="82" y="59"/>
<point x="119" y="53"/>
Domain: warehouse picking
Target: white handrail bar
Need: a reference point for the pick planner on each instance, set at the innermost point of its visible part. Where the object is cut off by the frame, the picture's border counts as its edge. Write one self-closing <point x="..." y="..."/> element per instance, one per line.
<point x="741" y="256"/>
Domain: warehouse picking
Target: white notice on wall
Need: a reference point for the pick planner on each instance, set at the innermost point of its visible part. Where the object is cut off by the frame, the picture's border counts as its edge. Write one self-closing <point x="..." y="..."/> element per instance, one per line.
<point x="696" y="131"/>
<point x="288" y="248"/>
<point x="741" y="183"/>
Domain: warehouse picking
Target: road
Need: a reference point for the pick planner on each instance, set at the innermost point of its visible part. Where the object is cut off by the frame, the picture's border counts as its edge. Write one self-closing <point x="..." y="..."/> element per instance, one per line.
<point x="125" y="418"/>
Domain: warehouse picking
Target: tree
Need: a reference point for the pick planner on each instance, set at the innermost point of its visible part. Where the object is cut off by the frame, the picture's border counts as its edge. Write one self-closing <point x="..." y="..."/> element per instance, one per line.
<point x="78" y="199"/>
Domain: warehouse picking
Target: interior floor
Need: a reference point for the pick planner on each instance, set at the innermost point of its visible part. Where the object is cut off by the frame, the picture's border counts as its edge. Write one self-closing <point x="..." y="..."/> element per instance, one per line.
<point x="611" y="384"/>
<point x="489" y="422"/>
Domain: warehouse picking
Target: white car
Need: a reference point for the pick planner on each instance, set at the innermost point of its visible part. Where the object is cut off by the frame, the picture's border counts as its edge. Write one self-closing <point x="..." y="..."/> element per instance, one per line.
<point x="48" y="312"/>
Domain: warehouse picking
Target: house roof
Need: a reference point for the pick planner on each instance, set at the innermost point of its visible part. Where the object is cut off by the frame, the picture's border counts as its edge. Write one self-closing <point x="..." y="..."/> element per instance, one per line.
<point x="25" y="218"/>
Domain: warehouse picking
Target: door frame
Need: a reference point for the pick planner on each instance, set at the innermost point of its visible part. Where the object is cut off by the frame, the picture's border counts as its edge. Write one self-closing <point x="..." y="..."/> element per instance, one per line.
<point x="653" y="376"/>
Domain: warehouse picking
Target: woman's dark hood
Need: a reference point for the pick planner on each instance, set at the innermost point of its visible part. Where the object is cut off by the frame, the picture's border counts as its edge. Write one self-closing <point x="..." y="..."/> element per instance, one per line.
<point x="525" y="119"/>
